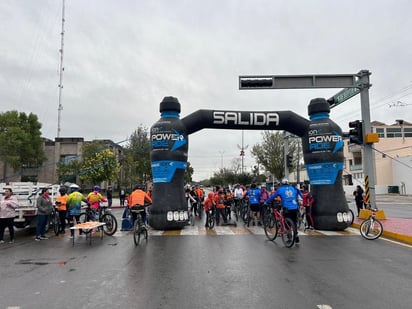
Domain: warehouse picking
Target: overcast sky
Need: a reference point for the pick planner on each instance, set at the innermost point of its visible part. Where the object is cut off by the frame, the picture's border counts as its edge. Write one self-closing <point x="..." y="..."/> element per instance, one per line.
<point x="122" y="57"/>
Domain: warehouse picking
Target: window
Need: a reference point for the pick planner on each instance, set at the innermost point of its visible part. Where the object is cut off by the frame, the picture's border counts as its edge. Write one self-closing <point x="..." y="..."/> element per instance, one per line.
<point x="381" y="132"/>
<point x="393" y="132"/>
<point x="407" y="132"/>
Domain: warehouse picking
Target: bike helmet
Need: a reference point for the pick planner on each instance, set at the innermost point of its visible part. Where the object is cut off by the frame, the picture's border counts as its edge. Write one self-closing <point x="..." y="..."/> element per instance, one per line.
<point x="96" y="188"/>
<point x="285" y="181"/>
<point x="74" y="187"/>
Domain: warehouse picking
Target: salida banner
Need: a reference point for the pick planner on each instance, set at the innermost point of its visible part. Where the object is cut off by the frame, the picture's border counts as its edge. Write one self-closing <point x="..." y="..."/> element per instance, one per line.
<point x="322" y="147"/>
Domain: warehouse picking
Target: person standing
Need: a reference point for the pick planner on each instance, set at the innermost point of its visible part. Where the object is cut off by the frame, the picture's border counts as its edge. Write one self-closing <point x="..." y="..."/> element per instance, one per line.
<point x="74" y="207"/>
<point x="359" y="194"/>
<point x="253" y="194"/>
<point x="109" y="195"/>
<point x="307" y="202"/>
<point x="44" y="209"/>
<point x="8" y="204"/>
<point x="220" y="207"/>
<point x="62" y="209"/>
<point x="122" y="196"/>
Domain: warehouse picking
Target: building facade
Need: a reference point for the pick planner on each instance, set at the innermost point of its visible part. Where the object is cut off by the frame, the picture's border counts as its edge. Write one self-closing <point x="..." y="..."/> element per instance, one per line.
<point x="392" y="156"/>
<point x="62" y="149"/>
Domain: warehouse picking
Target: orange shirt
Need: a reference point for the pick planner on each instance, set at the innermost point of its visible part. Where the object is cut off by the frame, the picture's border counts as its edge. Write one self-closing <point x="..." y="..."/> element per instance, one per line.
<point x="138" y="197"/>
<point x="220" y="200"/>
<point x="61" y="202"/>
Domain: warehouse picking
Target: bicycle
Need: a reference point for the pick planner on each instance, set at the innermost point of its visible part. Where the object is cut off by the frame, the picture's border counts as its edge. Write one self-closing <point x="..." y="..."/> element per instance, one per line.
<point x="211" y="218"/>
<point x="139" y="227"/>
<point x="104" y="215"/>
<point x="191" y="217"/>
<point x="371" y="228"/>
<point x="54" y="221"/>
<point x="274" y="224"/>
<point x="236" y="207"/>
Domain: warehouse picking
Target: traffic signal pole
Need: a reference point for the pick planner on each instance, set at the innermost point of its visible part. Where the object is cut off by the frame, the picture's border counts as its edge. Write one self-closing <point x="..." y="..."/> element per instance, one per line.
<point x="368" y="160"/>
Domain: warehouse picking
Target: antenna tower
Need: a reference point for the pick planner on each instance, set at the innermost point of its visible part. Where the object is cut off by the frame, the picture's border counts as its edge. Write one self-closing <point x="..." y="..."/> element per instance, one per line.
<point x="61" y="69"/>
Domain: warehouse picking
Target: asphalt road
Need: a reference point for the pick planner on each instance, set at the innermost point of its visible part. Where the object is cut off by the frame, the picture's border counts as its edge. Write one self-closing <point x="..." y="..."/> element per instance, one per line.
<point x="239" y="271"/>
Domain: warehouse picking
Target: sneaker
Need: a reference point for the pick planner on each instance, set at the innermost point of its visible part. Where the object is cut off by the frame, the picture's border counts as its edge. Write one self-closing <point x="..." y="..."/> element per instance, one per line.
<point x="37" y="239"/>
<point x="43" y="237"/>
<point x="297" y="240"/>
<point x="2" y="241"/>
<point x="11" y="241"/>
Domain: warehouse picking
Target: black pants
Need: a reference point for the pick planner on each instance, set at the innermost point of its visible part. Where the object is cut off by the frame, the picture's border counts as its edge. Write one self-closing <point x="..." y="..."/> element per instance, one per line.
<point x="293" y="215"/>
<point x="6" y="222"/>
<point x="221" y="212"/>
<point x="359" y="206"/>
<point x="62" y="217"/>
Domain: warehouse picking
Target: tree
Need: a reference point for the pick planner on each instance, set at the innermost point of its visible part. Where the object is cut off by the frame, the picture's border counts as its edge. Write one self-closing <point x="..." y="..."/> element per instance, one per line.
<point x="270" y="153"/>
<point x="137" y="165"/>
<point x="20" y="140"/>
<point x="188" y="173"/>
<point x="67" y="170"/>
<point x="99" y="163"/>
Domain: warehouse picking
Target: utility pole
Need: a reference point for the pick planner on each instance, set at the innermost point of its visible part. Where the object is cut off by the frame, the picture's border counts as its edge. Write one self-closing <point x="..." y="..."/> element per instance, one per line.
<point x="221" y="152"/>
<point x="242" y="151"/>
<point x="61" y="69"/>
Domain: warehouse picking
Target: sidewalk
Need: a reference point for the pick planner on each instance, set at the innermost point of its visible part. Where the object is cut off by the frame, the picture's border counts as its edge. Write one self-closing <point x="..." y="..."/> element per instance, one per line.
<point x="395" y="228"/>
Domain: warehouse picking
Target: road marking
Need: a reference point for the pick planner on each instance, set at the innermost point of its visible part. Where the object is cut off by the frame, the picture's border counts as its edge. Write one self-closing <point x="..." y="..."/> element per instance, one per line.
<point x="324" y="307"/>
<point x="235" y="230"/>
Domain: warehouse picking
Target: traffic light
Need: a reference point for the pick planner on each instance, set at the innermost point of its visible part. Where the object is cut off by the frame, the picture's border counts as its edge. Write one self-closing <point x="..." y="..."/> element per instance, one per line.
<point x="253" y="83"/>
<point x="356" y="132"/>
<point x="289" y="160"/>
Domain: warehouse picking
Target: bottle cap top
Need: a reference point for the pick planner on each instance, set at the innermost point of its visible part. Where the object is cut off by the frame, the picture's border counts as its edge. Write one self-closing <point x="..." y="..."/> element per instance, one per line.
<point x="170" y="104"/>
<point x="318" y="105"/>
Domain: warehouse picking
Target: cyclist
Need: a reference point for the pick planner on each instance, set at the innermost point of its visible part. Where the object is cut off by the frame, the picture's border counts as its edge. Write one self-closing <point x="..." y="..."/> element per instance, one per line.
<point x="254" y="200"/>
<point x="289" y="198"/>
<point x="139" y="198"/>
<point x="220" y="206"/>
<point x="74" y="206"/>
<point x="61" y="202"/>
<point x="95" y="198"/>
<point x="307" y="202"/>
<point x="208" y="204"/>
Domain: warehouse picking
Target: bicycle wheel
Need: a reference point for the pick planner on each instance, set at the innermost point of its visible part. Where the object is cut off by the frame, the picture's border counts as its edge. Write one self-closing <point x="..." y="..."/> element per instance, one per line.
<point x="84" y="217"/>
<point x="300" y="219"/>
<point x="110" y="226"/>
<point x="270" y="226"/>
<point x="56" y="223"/>
<point x="136" y="232"/>
<point x="371" y="229"/>
<point x="289" y="234"/>
<point x="211" y="221"/>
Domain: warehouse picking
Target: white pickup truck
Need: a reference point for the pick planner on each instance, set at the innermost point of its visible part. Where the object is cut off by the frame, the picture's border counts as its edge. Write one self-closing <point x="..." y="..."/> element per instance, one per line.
<point x="27" y="193"/>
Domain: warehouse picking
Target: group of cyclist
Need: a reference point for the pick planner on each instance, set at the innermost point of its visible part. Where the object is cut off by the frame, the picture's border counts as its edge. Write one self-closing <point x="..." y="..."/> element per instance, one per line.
<point x="69" y="205"/>
<point x="222" y="200"/>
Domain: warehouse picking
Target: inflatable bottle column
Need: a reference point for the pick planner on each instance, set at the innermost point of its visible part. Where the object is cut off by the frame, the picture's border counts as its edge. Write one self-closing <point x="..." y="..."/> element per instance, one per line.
<point x="169" y="145"/>
<point x="323" y="155"/>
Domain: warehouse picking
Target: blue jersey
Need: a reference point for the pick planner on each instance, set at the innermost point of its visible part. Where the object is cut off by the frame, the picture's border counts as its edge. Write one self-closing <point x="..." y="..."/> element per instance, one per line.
<point x="254" y="196"/>
<point x="289" y="196"/>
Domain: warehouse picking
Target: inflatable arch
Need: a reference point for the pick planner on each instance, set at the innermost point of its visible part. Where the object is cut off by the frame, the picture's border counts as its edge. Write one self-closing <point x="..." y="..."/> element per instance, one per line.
<point x="322" y="150"/>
